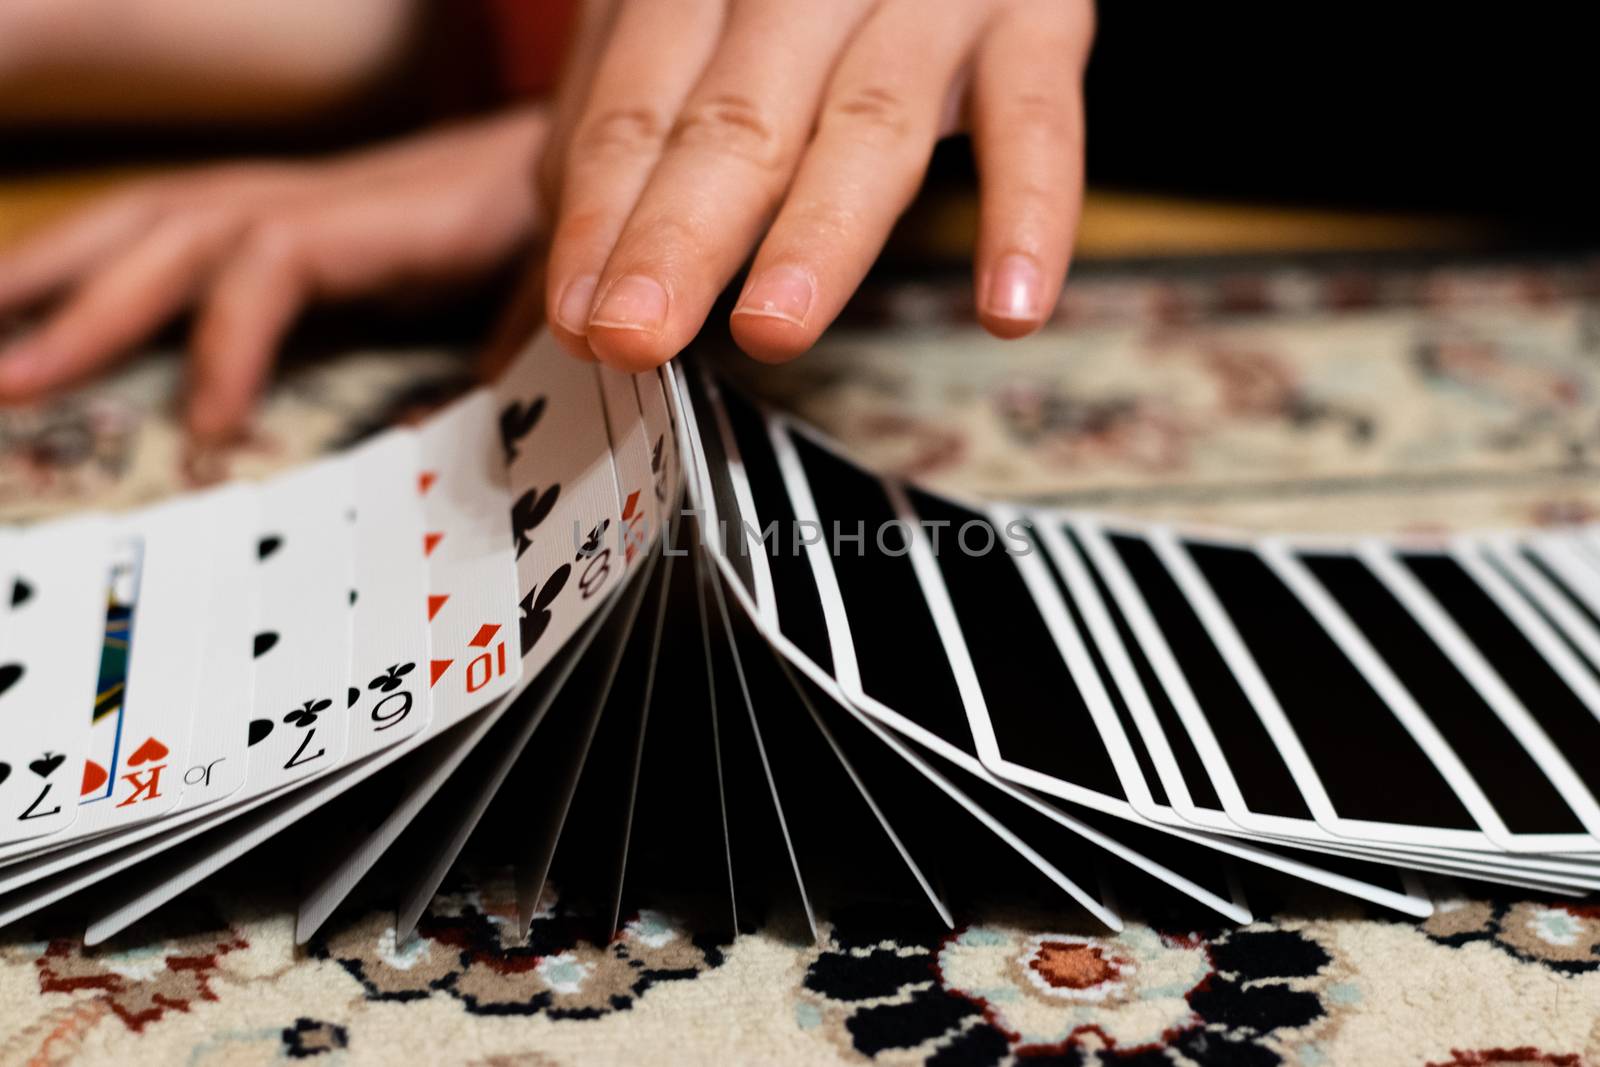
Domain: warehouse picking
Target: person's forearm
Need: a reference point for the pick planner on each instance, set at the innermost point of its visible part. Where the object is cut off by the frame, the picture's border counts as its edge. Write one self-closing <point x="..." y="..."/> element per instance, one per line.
<point x="186" y="59"/>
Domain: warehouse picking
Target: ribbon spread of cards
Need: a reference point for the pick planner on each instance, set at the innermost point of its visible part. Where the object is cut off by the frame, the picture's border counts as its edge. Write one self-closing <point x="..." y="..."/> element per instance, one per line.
<point x="711" y="660"/>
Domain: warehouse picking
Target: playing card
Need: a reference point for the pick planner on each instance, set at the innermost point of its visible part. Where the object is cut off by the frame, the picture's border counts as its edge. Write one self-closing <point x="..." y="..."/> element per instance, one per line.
<point x="1214" y="710"/>
<point x="1174" y="791"/>
<point x="105" y="732"/>
<point x="761" y="843"/>
<point x="220" y="731"/>
<point x="50" y="643"/>
<point x="899" y="850"/>
<point x="548" y="775"/>
<point x="844" y="554"/>
<point x="1363" y="775"/>
<point x="639" y="523"/>
<point x="1548" y="588"/>
<point x="661" y="440"/>
<point x="739" y="497"/>
<point x="416" y="526"/>
<point x="591" y="851"/>
<point x="1196" y="651"/>
<point x="890" y="577"/>
<point x="471" y="603"/>
<point x="567" y="523"/>
<point x="206" y="554"/>
<point x="974" y="576"/>
<point x="888" y="693"/>
<point x="677" y="850"/>
<point x="1500" y="782"/>
<point x="389" y="698"/>
<point x="154" y="657"/>
<point x="564" y="495"/>
<point x="463" y="480"/>
<point x="457" y="814"/>
<point x="304" y="574"/>
<point x="1503" y="666"/>
<point x="565" y="508"/>
<point x="1572" y="562"/>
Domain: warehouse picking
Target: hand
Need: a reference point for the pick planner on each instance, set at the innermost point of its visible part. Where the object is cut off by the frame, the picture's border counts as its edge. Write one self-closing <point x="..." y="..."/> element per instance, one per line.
<point x="250" y="245"/>
<point x="691" y="132"/>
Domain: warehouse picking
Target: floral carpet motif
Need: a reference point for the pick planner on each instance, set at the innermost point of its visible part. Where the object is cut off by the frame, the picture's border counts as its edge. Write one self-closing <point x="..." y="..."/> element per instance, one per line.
<point x="1288" y="397"/>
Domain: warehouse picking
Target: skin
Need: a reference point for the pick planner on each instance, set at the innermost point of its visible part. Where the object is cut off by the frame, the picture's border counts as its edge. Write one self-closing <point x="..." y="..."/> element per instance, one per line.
<point x="143" y="61"/>
<point x="248" y="246"/>
<point x="691" y="134"/>
<point x="688" y="137"/>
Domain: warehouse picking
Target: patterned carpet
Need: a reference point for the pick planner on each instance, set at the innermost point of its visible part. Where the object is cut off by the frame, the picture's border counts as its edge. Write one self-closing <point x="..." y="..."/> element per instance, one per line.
<point x="1266" y="396"/>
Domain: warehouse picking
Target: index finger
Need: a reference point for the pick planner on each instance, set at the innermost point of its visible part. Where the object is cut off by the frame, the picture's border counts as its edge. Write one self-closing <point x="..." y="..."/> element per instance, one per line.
<point x="54" y="257"/>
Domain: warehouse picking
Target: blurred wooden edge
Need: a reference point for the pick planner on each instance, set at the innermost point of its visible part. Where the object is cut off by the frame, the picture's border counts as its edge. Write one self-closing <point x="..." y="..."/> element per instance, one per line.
<point x="1115" y="225"/>
<point x="1120" y="225"/>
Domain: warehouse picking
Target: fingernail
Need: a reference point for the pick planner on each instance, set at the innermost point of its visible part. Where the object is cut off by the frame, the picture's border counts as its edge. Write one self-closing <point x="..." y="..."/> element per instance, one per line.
<point x="1013" y="288"/>
<point x="779" y="293"/>
<point x="634" y="302"/>
<point x="572" y="311"/>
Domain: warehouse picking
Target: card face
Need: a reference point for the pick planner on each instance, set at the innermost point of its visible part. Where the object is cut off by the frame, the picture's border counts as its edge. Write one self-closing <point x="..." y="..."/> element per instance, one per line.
<point x="389" y="696"/>
<point x="662" y="441"/>
<point x="565" y="510"/>
<point x="463" y="480"/>
<point x="304" y="574"/>
<point x="472" y="636"/>
<point x="471" y="607"/>
<point x="116" y="650"/>
<point x="631" y="454"/>
<point x="156" y="654"/>
<point x="220" y="733"/>
<point x="53" y="631"/>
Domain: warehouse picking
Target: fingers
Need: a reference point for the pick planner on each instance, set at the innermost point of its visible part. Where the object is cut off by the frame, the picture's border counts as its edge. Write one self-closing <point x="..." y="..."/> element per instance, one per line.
<point x="1027" y="114"/>
<point x="58" y="255"/>
<point x="251" y="305"/>
<point x="882" y="113"/>
<point x="729" y="159"/>
<point x="585" y="46"/>
<point x="654" y="56"/>
<point x="118" y="307"/>
<point x="434" y="225"/>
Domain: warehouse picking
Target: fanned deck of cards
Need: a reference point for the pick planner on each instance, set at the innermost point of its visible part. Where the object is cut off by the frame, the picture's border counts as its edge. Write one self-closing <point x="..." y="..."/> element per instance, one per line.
<point x="707" y="661"/>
